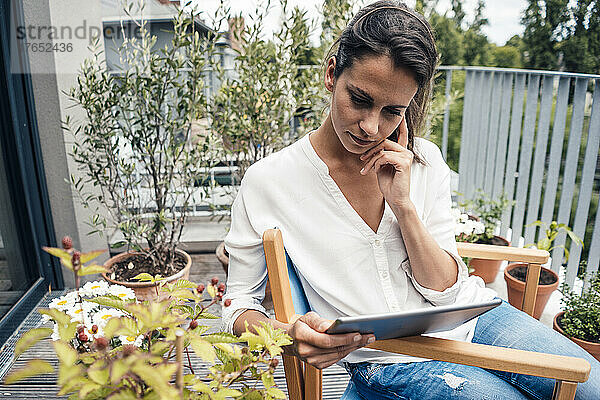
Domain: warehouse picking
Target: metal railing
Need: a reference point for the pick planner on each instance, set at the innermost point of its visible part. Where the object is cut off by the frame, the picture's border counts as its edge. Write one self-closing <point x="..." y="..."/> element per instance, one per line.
<point x="534" y="136"/>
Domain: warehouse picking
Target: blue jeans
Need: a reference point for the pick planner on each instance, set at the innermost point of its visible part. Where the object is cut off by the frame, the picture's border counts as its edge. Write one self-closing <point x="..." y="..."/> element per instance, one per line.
<point x="503" y="326"/>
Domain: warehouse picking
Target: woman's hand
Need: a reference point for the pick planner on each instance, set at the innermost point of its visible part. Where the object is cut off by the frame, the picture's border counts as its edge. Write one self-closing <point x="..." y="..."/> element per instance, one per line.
<point x="391" y="162"/>
<point x="313" y="345"/>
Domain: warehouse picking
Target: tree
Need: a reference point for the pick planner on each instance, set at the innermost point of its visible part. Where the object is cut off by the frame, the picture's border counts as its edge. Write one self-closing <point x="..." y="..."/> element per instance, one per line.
<point x="581" y="48"/>
<point x="507" y="56"/>
<point x="477" y="47"/>
<point x="545" y="23"/>
<point x="449" y="39"/>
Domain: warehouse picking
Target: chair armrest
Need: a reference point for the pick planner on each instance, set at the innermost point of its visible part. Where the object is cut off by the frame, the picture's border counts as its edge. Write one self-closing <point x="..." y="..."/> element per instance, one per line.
<point x="492" y="357"/>
<point x="491" y="252"/>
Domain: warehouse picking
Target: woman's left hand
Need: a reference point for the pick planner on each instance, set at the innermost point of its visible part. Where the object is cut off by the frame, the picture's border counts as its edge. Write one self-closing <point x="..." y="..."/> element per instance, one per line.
<point x="391" y="162"/>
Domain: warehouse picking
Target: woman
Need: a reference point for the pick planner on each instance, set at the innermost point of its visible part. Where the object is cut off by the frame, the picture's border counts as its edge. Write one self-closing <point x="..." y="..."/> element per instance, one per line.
<point x="364" y="210"/>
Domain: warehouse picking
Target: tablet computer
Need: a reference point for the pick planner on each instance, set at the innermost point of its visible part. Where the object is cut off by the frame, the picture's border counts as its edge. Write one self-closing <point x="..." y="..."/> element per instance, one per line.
<point x="414" y="322"/>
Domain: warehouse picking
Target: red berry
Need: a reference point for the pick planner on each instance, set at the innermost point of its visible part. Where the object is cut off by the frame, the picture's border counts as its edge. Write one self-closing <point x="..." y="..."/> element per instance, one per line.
<point x="274" y="363"/>
<point x="214" y="281"/>
<point x="200" y="288"/>
<point x="94" y="329"/>
<point x="76" y="257"/>
<point x="219" y="295"/>
<point x="221" y="287"/>
<point x="129" y="349"/>
<point x="101" y="343"/>
<point x="193" y="324"/>
<point x="80" y="329"/>
<point x="67" y="243"/>
<point x="83" y="337"/>
<point x="227" y="302"/>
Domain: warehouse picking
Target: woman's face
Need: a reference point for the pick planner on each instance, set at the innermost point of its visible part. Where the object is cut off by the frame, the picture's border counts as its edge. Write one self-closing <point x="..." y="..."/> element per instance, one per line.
<point x="369" y="100"/>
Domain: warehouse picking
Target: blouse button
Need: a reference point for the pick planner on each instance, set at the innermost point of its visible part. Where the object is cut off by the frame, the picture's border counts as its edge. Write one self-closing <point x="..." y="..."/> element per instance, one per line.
<point x="377" y="242"/>
<point x="384" y="274"/>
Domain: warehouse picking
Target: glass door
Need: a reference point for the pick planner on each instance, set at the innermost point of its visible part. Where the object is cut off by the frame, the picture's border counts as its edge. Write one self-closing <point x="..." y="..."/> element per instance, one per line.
<point x="26" y="272"/>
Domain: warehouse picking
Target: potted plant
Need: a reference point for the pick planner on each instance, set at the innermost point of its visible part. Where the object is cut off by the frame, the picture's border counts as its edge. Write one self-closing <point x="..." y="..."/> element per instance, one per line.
<point x="487" y="213"/>
<point x="140" y="159"/>
<point x="111" y="346"/>
<point x="254" y="107"/>
<point x="580" y="316"/>
<point x="515" y="274"/>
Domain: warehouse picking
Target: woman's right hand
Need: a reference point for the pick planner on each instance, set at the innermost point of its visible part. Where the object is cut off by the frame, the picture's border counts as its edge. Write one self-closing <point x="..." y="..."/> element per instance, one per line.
<point x="319" y="349"/>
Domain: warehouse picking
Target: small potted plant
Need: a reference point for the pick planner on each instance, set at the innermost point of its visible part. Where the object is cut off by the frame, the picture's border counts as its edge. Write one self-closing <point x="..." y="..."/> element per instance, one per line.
<point x="111" y="345"/>
<point x="140" y="159"/>
<point x="483" y="212"/>
<point x="515" y="274"/>
<point x="580" y="316"/>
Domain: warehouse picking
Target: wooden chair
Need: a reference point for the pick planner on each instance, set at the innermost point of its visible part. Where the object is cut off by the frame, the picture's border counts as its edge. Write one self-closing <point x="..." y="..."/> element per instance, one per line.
<point x="304" y="382"/>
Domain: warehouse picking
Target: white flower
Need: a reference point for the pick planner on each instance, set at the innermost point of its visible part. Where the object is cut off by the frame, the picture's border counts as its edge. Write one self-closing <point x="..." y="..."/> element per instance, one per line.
<point x="121" y="292"/>
<point x="136" y="341"/>
<point x="55" y="336"/>
<point x="97" y="288"/>
<point x="63" y="303"/>
<point x="81" y="311"/>
<point x="101" y="317"/>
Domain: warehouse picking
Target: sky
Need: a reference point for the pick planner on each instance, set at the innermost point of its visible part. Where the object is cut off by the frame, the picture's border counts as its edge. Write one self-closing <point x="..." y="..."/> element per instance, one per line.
<point x="503" y="15"/>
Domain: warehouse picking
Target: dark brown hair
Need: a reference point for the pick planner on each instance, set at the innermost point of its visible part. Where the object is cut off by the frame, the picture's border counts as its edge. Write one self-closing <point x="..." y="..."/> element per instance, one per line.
<point x="391" y="28"/>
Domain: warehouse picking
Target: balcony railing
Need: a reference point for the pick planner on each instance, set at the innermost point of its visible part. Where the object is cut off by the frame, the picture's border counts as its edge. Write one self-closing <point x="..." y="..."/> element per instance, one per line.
<point x="534" y="136"/>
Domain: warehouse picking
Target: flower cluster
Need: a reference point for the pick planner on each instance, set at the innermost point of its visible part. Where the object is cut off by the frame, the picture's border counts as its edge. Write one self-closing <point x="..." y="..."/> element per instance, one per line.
<point x="466" y="229"/>
<point x="93" y="317"/>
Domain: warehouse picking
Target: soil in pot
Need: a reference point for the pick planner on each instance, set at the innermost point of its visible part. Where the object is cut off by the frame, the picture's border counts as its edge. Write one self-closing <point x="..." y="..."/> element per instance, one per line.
<point x="488" y="269"/>
<point x="516" y="287"/>
<point x="142" y="264"/>
<point x="591" y="347"/>
<point x="546" y="277"/>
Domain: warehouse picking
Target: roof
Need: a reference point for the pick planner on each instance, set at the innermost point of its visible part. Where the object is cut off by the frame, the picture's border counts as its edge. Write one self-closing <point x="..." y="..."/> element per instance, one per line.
<point x="154" y="11"/>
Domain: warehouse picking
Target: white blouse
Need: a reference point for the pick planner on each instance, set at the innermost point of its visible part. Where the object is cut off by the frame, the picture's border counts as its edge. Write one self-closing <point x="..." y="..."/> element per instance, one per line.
<point x="345" y="267"/>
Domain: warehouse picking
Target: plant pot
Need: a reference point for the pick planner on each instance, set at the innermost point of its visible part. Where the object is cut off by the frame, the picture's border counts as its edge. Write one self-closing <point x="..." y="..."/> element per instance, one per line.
<point x="488" y="269"/>
<point x="591" y="347"/>
<point x="146" y="290"/>
<point x="223" y="257"/>
<point x="516" y="289"/>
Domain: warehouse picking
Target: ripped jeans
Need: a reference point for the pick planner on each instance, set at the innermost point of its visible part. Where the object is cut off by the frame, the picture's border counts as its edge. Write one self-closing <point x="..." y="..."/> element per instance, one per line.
<point x="503" y="326"/>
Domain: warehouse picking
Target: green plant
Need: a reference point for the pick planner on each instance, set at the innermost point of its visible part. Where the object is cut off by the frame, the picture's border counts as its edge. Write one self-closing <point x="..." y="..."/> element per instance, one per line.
<point x="137" y="151"/>
<point x="551" y="231"/>
<point x="253" y="109"/>
<point x="582" y="311"/>
<point x="110" y="346"/>
<point x="488" y="210"/>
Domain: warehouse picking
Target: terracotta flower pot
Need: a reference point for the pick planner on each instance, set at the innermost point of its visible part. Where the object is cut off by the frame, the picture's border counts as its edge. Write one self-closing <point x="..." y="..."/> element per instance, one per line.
<point x="516" y="289"/>
<point x="146" y="290"/>
<point x="590" y="347"/>
<point x="223" y="257"/>
<point x="488" y="269"/>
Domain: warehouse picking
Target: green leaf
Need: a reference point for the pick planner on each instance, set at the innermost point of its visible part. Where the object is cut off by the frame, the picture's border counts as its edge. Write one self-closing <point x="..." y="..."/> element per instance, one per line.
<point x="267" y="380"/>
<point x="111" y="327"/>
<point x="203" y="349"/>
<point x="227" y="392"/>
<point x="59" y="317"/>
<point x="276" y="393"/>
<point x="144" y="277"/>
<point x="211" y="290"/>
<point x="158" y="377"/>
<point x="123" y="395"/>
<point x="184" y="284"/>
<point x="30" y="338"/>
<point x="207" y="315"/>
<point x="91" y="269"/>
<point x="182" y="294"/>
<point x="543" y="244"/>
<point x="89" y="256"/>
<point x="98" y="372"/>
<point x="65" y="353"/>
<point x="32" y="368"/>
<point x="160" y="347"/>
<point x="110" y="302"/>
<point x="88" y="388"/>
<point x="65" y="257"/>
<point x="221" y="337"/>
<point x="118" y="368"/>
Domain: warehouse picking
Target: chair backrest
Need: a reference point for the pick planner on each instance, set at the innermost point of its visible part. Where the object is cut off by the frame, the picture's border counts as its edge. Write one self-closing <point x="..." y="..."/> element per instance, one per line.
<point x="301" y="305"/>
